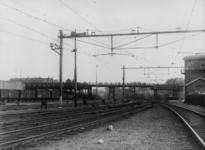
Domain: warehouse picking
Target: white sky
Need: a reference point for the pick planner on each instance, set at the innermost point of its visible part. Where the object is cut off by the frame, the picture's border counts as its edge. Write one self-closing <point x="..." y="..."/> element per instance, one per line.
<point x="41" y="20"/>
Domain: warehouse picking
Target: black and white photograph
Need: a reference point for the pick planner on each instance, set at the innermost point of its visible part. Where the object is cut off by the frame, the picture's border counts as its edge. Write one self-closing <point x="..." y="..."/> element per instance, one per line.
<point x="102" y="75"/>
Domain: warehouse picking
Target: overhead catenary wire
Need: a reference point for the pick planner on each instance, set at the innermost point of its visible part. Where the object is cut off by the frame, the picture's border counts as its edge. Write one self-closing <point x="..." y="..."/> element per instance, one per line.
<point x="92" y="44"/>
<point x="180" y="39"/>
<point x="109" y="13"/>
<point x="185" y="32"/>
<point x="78" y="14"/>
<point x="24" y="37"/>
<point x="96" y="19"/>
<point x="43" y="14"/>
<point x="81" y="16"/>
<point x="34" y="17"/>
<point x="28" y="28"/>
<point x="132" y="41"/>
<point x="31" y="30"/>
<point x="104" y="63"/>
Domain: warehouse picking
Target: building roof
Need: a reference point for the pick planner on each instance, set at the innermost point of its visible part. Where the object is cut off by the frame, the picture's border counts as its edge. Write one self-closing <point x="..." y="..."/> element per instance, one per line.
<point x="195" y="57"/>
<point x="199" y="78"/>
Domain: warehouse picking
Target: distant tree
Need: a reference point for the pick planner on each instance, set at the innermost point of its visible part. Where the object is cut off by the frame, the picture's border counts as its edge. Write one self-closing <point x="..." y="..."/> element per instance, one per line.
<point x="68" y="81"/>
<point x="175" y="81"/>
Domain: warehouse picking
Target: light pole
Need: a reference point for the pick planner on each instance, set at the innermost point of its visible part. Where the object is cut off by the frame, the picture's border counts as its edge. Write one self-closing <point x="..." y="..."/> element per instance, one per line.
<point x="55" y="47"/>
<point x="96" y="80"/>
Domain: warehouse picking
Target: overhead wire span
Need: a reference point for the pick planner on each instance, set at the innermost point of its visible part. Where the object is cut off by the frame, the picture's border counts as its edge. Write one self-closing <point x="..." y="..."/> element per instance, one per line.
<point x="109" y="13"/>
<point x="31" y="30"/>
<point x="32" y="16"/>
<point x="81" y="51"/>
<point x="132" y="41"/>
<point x="24" y="37"/>
<point x="135" y="57"/>
<point x="45" y="15"/>
<point x="122" y="49"/>
<point x="185" y="32"/>
<point x="91" y="43"/>
<point x="82" y="17"/>
<point x="101" y="61"/>
<point x="84" y="53"/>
<point x="180" y="39"/>
<point x="111" y="54"/>
<point x="130" y="72"/>
<point x="98" y="42"/>
<point x="78" y="14"/>
<point x="96" y="19"/>
<point x="27" y="28"/>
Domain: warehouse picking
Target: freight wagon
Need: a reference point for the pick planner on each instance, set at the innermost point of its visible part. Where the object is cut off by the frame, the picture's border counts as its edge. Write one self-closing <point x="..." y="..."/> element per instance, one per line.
<point x="32" y="95"/>
<point x="9" y="95"/>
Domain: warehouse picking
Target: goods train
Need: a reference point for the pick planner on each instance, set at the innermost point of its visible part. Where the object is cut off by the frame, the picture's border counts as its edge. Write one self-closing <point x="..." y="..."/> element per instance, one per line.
<point x="53" y="95"/>
<point x="36" y="95"/>
<point x="49" y="95"/>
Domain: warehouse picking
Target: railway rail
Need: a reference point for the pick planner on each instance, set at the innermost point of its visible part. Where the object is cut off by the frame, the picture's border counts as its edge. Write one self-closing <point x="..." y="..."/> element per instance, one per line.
<point x="194" y="121"/>
<point x="55" y="117"/>
<point x="48" y="112"/>
<point x="20" y="137"/>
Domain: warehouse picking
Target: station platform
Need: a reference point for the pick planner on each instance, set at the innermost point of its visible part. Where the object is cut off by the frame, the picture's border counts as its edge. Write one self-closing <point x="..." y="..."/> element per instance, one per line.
<point x="192" y="107"/>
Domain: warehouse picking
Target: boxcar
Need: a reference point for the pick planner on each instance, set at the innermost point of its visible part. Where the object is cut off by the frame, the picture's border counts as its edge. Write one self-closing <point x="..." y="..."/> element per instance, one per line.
<point x="27" y="95"/>
<point x="4" y="94"/>
<point x="13" y="93"/>
<point x="54" y="94"/>
<point x="43" y="93"/>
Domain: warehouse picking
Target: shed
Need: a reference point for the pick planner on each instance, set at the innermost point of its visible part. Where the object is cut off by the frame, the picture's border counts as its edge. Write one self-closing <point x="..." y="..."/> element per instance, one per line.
<point x="196" y="86"/>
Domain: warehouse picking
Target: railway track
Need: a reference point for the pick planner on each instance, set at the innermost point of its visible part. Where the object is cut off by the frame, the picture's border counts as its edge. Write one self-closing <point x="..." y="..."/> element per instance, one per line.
<point x="21" y="136"/>
<point x="49" y="118"/>
<point x="42" y="112"/>
<point x="194" y="121"/>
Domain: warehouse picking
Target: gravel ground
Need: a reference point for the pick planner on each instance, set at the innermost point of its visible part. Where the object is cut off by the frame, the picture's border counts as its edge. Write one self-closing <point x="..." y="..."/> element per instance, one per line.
<point x="154" y="129"/>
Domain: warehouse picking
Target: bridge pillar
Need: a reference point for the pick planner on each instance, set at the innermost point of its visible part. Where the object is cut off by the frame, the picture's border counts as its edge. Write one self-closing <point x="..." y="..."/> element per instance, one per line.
<point x="109" y="93"/>
<point x="155" y="94"/>
<point x="174" y="93"/>
<point x="113" y="93"/>
<point x="134" y="92"/>
<point x="90" y="92"/>
<point x="185" y="92"/>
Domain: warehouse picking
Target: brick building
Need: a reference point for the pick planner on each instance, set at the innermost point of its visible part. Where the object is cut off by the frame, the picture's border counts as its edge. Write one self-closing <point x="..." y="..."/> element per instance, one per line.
<point x="194" y="74"/>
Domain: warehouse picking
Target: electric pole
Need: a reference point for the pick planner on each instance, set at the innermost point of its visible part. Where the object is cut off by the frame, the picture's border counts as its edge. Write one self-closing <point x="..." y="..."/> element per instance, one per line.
<point x="123" y="78"/>
<point x="61" y="68"/>
<point x="55" y="47"/>
<point x="75" y="94"/>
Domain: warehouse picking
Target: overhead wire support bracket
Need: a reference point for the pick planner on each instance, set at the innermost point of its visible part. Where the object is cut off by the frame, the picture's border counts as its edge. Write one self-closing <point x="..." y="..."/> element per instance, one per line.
<point x="152" y="67"/>
<point x="111" y="45"/>
<point x="111" y="54"/>
<point x="84" y="35"/>
<point x="133" y="48"/>
<point x="156" y="41"/>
